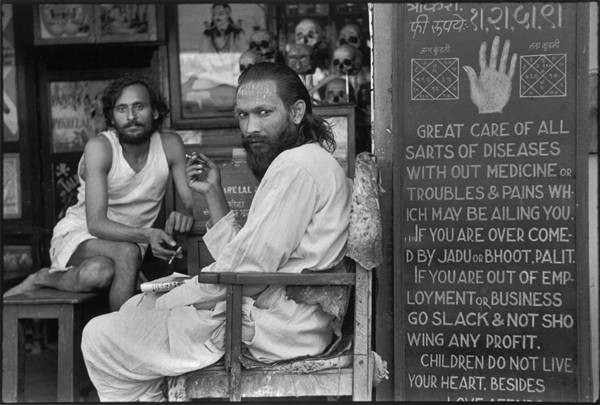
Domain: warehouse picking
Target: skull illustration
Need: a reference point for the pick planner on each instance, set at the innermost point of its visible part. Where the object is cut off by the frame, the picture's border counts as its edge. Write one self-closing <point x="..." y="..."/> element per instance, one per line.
<point x="335" y="92"/>
<point x="301" y="58"/>
<point x="347" y="60"/>
<point x="264" y="41"/>
<point x="350" y="34"/>
<point x="308" y="32"/>
<point x="250" y="58"/>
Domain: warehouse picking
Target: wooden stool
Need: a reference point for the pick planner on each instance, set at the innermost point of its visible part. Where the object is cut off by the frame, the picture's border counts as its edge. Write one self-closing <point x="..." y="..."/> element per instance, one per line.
<point x="45" y="303"/>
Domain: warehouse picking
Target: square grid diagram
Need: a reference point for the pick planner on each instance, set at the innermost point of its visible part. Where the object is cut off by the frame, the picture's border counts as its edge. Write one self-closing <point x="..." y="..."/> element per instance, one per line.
<point x="434" y="79"/>
<point x="543" y="75"/>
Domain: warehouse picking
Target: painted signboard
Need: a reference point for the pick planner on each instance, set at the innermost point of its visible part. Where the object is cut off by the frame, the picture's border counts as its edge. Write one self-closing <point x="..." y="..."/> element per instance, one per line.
<point x="488" y="183"/>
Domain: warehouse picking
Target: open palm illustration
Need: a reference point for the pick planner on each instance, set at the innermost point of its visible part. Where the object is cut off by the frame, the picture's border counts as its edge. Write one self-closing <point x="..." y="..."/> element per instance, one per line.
<point x="491" y="90"/>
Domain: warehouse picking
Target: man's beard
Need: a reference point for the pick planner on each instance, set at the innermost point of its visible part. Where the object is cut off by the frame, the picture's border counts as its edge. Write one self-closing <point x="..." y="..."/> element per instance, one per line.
<point x="259" y="161"/>
<point x="125" y="138"/>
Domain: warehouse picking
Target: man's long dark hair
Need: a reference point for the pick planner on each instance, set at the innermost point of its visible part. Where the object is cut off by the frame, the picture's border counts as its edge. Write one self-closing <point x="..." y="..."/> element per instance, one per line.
<point x="115" y="88"/>
<point x="312" y="128"/>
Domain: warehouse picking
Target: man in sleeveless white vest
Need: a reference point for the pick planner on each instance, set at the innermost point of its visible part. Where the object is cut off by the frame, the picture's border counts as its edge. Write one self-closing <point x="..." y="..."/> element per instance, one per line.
<point x="101" y="241"/>
<point x="298" y="219"/>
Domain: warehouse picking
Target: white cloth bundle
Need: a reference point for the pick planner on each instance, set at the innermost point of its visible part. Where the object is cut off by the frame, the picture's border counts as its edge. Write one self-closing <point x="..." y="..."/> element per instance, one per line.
<point x="364" y="232"/>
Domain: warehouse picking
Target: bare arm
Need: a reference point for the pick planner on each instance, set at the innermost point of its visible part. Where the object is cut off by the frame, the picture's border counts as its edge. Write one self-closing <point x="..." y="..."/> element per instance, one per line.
<point x="183" y="219"/>
<point x="204" y="177"/>
<point x="97" y="163"/>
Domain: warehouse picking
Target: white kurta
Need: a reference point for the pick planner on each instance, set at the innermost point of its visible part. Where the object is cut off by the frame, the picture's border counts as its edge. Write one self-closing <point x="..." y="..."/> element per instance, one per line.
<point x="298" y="219"/>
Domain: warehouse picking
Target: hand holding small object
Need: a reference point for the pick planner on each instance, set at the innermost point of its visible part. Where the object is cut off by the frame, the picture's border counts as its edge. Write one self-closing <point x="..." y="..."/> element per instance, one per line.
<point x="160" y="243"/>
<point x="203" y="175"/>
<point x="199" y="167"/>
<point x="490" y="91"/>
<point x="179" y="249"/>
<point x="175" y="250"/>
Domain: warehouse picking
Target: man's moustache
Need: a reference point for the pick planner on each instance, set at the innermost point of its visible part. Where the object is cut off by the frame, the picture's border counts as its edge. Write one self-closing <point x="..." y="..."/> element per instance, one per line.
<point x="255" y="138"/>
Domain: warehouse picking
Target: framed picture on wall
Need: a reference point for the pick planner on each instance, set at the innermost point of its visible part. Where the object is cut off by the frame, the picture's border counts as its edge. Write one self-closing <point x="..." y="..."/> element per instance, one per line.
<point x="17" y="260"/>
<point x="64" y="24"/>
<point x="9" y="75"/>
<point x="75" y="113"/>
<point x="206" y="42"/>
<point x="12" y="186"/>
<point x="125" y="22"/>
<point x="65" y="182"/>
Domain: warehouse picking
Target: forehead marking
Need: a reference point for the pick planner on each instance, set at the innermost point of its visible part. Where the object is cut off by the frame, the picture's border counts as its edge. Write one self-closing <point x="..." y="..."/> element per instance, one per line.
<point x="261" y="92"/>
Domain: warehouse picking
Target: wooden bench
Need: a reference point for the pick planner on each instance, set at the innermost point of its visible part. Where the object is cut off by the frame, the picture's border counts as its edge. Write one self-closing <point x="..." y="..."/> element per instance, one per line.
<point x="68" y="308"/>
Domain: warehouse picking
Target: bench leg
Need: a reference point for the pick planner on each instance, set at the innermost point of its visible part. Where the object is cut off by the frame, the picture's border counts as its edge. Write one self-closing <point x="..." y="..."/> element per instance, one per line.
<point x="68" y="387"/>
<point x="13" y="356"/>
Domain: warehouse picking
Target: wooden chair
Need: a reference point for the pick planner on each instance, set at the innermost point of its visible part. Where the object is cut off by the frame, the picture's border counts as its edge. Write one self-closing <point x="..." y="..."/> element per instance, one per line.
<point x="349" y="373"/>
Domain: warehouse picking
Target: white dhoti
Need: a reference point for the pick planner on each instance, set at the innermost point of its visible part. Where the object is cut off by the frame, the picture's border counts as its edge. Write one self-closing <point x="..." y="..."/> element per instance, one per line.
<point x="134" y="199"/>
<point x="129" y="352"/>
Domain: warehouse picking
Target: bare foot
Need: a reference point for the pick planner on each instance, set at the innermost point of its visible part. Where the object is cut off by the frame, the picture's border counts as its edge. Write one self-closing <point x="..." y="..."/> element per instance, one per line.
<point x="29" y="284"/>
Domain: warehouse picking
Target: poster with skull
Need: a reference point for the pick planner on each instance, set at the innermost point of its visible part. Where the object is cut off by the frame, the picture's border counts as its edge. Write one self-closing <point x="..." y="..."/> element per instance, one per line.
<point x="265" y="42"/>
<point x="309" y="32"/>
<point x="347" y="60"/>
<point x="340" y="47"/>
<point x="339" y="91"/>
<point x="350" y="34"/>
<point x="302" y="59"/>
<point x="351" y="58"/>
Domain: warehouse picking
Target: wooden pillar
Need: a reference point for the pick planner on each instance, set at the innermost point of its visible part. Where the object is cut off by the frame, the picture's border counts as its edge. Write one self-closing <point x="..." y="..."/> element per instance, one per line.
<point x="383" y="310"/>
